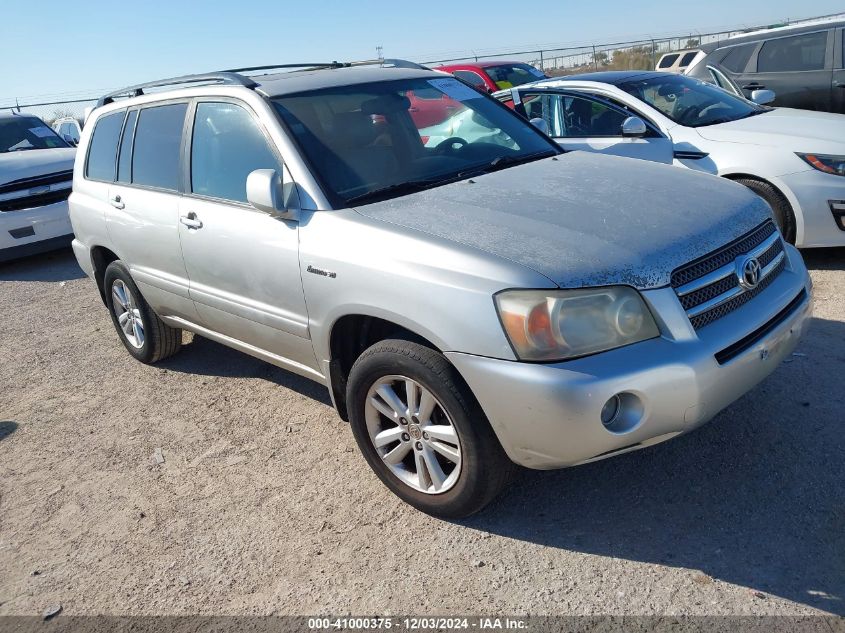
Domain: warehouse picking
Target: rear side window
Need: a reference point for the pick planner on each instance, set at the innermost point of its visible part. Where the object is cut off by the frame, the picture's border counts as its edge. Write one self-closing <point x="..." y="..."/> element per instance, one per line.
<point x="667" y="60"/>
<point x="471" y="78"/>
<point x="227" y="145"/>
<point x="737" y="57"/>
<point x="102" y="153"/>
<point x="799" y="52"/>
<point x="158" y="139"/>
<point x="687" y="59"/>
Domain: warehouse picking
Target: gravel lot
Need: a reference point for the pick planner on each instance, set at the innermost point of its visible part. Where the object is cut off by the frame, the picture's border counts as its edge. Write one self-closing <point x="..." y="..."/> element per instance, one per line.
<point x="263" y="504"/>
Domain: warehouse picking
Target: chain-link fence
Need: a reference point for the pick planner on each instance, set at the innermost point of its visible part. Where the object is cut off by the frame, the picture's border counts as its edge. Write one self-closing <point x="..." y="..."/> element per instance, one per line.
<point x="631" y="55"/>
<point x="49" y="112"/>
<point x="640" y="54"/>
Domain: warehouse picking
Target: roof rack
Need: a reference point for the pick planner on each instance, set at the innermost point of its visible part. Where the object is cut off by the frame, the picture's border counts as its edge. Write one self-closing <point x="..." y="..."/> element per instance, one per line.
<point x="390" y="61"/>
<point x="394" y="63"/>
<point x="223" y="77"/>
<point x="235" y="76"/>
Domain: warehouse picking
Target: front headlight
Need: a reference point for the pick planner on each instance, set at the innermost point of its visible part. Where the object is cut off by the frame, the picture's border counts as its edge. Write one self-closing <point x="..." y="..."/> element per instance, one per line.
<point x="545" y="325"/>
<point x="826" y="163"/>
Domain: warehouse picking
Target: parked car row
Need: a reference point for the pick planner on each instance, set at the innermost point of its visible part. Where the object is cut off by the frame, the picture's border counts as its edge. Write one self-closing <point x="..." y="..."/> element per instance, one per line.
<point x="472" y="295"/>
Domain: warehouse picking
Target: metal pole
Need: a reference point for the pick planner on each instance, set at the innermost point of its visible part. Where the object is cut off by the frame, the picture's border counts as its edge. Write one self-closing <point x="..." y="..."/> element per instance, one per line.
<point x="542" y="64"/>
<point x="653" y="54"/>
<point x="595" y="61"/>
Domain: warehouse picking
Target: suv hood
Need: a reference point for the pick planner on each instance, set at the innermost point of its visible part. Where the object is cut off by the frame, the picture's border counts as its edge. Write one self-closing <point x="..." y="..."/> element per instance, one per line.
<point x="584" y="219"/>
<point x="784" y="128"/>
<point x="35" y="162"/>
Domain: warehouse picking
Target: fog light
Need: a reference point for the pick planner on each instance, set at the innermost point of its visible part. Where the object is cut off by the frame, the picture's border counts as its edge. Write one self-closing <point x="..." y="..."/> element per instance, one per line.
<point x="837" y="208"/>
<point x="622" y="413"/>
<point x="610" y="411"/>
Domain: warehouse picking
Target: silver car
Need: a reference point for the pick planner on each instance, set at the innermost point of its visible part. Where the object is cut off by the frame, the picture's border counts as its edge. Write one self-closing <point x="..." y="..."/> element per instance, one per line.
<point x="470" y="305"/>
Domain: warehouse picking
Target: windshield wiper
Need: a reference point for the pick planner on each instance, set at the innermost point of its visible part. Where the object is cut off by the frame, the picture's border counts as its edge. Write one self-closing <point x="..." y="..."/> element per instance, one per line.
<point x="500" y="162"/>
<point x="411" y="186"/>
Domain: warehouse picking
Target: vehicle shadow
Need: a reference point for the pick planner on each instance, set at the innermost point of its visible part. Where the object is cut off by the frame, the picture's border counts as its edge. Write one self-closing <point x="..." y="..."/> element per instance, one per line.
<point x="205" y="357"/>
<point x="824" y="258"/>
<point x="58" y="265"/>
<point x="754" y="498"/>
<point x="7" y="427"/>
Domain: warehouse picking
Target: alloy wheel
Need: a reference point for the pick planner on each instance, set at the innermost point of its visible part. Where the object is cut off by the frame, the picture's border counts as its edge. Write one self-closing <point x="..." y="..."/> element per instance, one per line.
<point x="128" y="314"/>
<point x="413" y="434"/>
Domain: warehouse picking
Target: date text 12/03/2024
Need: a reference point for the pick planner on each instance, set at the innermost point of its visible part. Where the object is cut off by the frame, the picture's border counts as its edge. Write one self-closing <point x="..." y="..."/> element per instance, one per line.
<point x="416" y="623"/>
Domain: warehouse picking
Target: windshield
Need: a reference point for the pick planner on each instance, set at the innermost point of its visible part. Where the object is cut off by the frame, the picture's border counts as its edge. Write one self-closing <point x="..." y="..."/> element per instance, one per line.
<point x="691" y="102"/>
<point x="365" y="143"/>
<point x="22" y="133"/>
<point x="509" y="75"/>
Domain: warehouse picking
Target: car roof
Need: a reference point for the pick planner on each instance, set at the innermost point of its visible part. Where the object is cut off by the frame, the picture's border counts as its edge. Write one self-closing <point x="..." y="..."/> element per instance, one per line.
<point x="780" y="31"/>
<point x="272" y="83"/>
<point x="485" y="64"/>
<point x="278" y="84"/>
<point x="613" y="77"/>
<point x="16" y="115"/>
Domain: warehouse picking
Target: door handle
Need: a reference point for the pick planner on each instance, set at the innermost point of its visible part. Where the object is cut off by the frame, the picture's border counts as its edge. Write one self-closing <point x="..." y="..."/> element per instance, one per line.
<point x="754" y="86"/>
<point x="191" y="221"/>
<point x="117" y="202"/>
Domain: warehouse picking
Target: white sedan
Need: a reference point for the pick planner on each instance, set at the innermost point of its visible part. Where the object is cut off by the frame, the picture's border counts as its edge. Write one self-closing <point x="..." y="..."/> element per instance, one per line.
<point x="794" y="159"/>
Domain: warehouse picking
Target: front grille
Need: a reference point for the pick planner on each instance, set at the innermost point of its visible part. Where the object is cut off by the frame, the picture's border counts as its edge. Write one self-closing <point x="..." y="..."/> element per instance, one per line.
<point x="719" y="258"/>
<point x="37" y="181"/>
<point x="709" y="288"/>
<point x="38" y="200"/>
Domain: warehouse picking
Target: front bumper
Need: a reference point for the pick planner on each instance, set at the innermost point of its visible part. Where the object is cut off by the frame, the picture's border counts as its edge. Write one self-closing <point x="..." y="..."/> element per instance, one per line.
<point x="812" y="192"/>
<point x="548" y="415"/>
<point x="34" y="230"/>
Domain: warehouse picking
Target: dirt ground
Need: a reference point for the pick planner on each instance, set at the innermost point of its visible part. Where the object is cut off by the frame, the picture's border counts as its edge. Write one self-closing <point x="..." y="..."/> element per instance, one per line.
<point x="263" y="505"/>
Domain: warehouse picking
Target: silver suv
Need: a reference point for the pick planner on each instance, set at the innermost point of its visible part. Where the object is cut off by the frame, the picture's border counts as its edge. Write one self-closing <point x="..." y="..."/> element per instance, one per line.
<point x="471" y="296"/>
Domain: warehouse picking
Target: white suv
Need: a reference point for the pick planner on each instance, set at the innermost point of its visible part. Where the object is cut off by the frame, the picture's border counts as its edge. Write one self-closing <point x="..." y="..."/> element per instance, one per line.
<point x="469" y="304"/>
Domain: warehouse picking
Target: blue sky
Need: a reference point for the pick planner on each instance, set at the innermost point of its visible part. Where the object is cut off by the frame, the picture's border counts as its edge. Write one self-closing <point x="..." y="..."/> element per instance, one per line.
<point x="89" y="46"/>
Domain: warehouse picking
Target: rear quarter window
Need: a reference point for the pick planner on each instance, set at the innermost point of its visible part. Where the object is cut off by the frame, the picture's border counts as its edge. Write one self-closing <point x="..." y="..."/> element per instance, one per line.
<point x="686" y="60"/>
<point x="102" y="153"/>
<point x="796" y="53"/>
<point x="667" y="60"/>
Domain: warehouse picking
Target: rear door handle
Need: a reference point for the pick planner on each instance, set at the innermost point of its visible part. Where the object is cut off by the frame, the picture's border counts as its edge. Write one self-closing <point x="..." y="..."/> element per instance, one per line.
<point x="191" y="221"/>
<point x="117" y="202"/>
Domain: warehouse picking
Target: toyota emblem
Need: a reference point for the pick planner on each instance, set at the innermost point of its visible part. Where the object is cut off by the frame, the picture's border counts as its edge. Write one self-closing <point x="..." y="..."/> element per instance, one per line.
<point x="748" y="272"/>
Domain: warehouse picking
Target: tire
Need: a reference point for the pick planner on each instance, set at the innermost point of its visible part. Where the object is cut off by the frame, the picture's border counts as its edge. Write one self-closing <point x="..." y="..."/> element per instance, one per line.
<point x="456" y="422"/>
<point x="782" y="210"/>
<point x="155" y="341"/>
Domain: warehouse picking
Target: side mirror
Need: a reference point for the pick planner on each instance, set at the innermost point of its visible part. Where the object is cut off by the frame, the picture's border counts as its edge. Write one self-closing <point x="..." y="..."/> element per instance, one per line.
<point x="264" y="192"/>
<point x="762" y="97"/>
<point x="541" y="125"/>
<point x="634" y="127"/>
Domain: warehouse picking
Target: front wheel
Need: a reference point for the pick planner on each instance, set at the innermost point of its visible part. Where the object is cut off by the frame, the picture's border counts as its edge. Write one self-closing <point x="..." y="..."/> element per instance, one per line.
<point x="781" y="209"/>
<point x="422" y="432"/>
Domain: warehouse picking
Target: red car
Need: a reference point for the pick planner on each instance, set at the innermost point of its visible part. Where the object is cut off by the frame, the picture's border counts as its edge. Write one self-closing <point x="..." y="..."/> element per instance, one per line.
<point x="494" y="75"/>
<point x="430" y="107"/>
